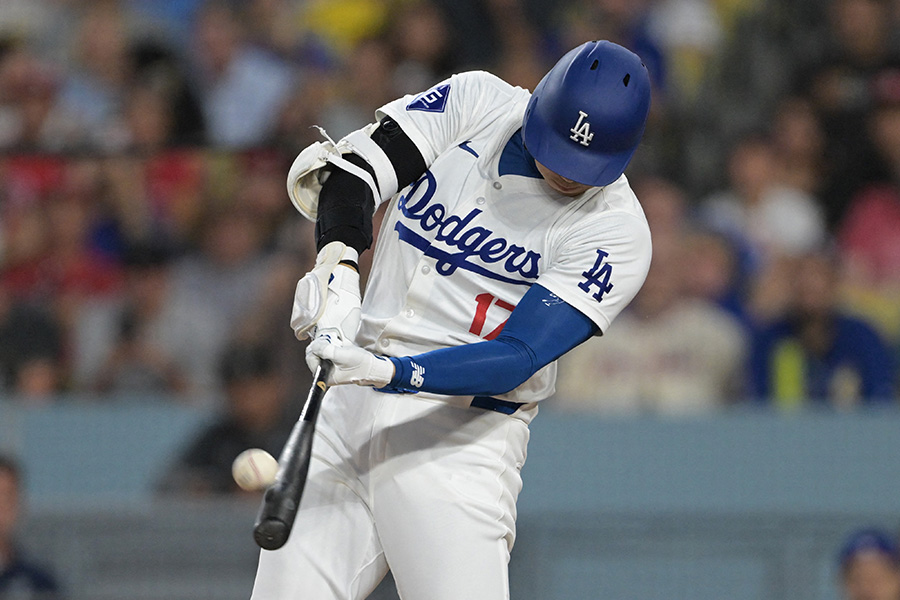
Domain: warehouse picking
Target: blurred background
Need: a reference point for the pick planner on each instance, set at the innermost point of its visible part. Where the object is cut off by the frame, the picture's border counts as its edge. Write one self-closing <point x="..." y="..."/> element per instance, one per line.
<point x="736" y="434"/>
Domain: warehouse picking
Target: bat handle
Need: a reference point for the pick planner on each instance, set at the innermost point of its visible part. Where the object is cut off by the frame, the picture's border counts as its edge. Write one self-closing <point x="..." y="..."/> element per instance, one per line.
<point x="310" y="409"/>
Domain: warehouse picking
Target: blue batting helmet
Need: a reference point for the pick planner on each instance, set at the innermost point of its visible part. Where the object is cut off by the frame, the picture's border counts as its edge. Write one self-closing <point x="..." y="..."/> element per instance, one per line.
<point x="586" y="117"/>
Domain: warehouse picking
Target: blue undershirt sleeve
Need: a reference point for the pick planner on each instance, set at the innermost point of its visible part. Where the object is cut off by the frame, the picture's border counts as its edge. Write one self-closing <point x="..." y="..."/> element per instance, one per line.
<point x="540" y="329"/>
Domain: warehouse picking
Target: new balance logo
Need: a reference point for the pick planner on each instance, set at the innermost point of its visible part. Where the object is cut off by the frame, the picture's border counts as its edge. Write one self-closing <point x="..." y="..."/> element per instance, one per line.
<point x="581" y="133"/>
<point x="552" y="300"/>
<point x="418" y="375"/>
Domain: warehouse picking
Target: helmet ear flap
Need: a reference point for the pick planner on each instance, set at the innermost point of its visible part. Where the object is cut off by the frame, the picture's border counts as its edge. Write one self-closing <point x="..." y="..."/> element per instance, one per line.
<point x="586" y="117"/>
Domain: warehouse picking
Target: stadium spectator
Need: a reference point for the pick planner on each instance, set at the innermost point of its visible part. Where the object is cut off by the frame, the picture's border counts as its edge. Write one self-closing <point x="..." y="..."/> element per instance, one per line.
<point x="225" y="274"/>
<point x="28" y="95"/>
<point x="666" y="207"/>
<point x="147" y="119"/>
<point x="31" y="350"/>
<point x="275" y="25"/>
<point x="241" y="88"/>
<point x="265" y="324"/>
<point x="814" y="352"/>
<point x="147" y="340"/>
<point x="799" y="144"/>
<point x="171" y="18"/>
<point x="159" y="109"/>
<point x="870" y="233"/>
<point x="25" y="243"/>
<point x="423" y="46"/>
<point x="869" y="563"/>
<point x="292" y="253"/>
<point x="715" y="275"/>
<point x="306" y="104"/>
<point x="764" y="218"/>
<point x="94" y="91"/>
<point x="254" y="418"/>
<point x="155" y="194"/>
<point x="860" y="41"/>
<point x="365" y="82"/>
<point x="20" y="576"/>
<point x="690" y="35"/>
<point x="61" y="272"/>
<point x="260" y="190"/>
<point x="667" y="353"/>
<point x="511" y="41"/>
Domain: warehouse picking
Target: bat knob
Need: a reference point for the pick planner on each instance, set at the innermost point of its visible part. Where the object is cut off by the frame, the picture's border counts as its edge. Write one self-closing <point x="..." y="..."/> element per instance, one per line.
<point x="271" y="534"/>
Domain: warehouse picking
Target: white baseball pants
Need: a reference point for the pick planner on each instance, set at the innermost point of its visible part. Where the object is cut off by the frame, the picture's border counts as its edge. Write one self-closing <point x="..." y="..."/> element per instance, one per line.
<point x="425" y="489"/>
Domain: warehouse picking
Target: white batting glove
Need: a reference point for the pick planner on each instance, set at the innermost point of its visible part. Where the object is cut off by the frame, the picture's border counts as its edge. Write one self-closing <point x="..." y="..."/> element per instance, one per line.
<point x="351" y="364"/>
<point x="327" y="299"/>
<point x="340" y="319"/>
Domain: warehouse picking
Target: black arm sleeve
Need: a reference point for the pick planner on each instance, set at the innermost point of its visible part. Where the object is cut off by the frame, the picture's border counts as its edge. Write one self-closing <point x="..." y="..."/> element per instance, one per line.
<point x="346" y="203"/>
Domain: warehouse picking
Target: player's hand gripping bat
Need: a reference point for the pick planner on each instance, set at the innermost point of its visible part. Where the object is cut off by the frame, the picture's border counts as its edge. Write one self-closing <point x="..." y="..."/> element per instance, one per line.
<point x="282" y="498"/>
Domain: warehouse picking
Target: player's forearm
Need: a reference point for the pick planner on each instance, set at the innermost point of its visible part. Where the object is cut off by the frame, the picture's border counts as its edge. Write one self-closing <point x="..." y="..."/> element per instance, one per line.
<point x="541" y="329"/>
<point x="482" y="369"/>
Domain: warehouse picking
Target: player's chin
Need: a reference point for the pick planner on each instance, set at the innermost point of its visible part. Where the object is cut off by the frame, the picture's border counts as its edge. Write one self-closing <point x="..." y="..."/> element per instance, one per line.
<point x="567" y="189"/>
<point x="560" y="184"/>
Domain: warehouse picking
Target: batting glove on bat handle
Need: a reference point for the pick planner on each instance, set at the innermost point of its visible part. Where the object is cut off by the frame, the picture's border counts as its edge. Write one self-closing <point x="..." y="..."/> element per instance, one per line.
<point x="350" y="363"/>
<point x="282" y="499"/>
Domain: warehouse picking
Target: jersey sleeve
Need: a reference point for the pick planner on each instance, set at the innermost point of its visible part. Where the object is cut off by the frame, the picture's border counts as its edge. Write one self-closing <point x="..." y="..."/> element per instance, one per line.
<point x="601" y="264"/>
<point x="452" y="111"/>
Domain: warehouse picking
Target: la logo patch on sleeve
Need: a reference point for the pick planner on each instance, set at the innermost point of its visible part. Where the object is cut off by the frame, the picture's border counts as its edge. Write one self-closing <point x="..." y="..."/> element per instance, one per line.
<point x="434" y="100"/>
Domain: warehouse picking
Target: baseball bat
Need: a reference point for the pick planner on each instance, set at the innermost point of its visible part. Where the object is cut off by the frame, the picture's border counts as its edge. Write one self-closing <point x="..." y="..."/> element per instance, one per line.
<point x="281" y="500"/>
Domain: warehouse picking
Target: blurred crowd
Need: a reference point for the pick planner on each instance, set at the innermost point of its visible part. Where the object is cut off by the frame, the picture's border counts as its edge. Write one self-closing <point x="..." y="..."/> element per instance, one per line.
<point x="147" y="243"/>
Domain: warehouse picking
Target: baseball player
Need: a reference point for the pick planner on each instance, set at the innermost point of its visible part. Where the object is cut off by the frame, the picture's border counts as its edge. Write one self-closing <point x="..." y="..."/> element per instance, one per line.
<point x="510" y="237"/>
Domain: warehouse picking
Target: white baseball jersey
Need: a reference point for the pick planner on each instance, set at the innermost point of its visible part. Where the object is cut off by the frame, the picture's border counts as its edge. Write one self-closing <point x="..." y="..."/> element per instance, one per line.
<point x="460" y="247"/>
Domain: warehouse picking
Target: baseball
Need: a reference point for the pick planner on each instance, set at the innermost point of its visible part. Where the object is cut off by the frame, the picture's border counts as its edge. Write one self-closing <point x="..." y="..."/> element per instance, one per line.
<point x="254" y="469"/>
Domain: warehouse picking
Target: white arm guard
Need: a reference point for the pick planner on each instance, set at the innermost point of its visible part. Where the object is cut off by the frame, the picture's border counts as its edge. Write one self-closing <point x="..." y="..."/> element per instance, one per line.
<point x="304" y="177"/>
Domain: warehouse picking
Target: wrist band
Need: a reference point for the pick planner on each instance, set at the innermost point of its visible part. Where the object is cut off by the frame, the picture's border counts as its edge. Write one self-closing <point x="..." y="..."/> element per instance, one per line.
<point x="350" y="263"/>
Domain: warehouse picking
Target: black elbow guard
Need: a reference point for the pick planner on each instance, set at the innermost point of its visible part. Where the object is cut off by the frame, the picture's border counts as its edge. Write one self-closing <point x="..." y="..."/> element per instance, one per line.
<point x="346" y="203"/>
<point x="346" y="206"/>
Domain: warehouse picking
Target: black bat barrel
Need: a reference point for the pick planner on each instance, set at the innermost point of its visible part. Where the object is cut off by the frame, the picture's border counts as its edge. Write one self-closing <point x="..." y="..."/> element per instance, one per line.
<point x="282" y="499"/>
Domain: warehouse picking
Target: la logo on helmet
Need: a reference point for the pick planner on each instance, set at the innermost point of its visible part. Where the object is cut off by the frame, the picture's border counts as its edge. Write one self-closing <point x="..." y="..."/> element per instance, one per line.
<point x="581" y="133"/>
